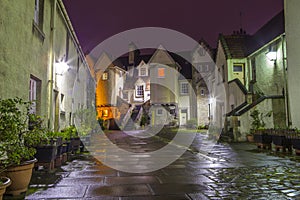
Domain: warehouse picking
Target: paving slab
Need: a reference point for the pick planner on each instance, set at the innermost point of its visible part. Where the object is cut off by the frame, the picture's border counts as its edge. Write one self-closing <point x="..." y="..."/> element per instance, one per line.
<point x="74" y="191"/>
<point x="118" y="190"/>
<point x="130" y="180"/>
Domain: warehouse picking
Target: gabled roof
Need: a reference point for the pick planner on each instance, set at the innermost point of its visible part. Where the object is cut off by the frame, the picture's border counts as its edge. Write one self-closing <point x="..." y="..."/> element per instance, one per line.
<point x="235" y="45"/>
<point x="185" y="66"/>
<point x="211" y="51"/>
<point x="241" y="45"/>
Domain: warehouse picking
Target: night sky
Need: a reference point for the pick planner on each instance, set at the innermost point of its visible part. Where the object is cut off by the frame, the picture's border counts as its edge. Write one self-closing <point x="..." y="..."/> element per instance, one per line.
<point x="97" y="20"/>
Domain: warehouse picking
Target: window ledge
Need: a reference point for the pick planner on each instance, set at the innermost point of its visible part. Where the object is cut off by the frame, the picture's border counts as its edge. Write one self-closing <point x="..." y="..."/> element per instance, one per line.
<point x="36" y="29"/>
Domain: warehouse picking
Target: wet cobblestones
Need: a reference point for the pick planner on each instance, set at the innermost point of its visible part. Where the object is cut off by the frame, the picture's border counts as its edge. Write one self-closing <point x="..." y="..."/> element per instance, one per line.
<point x="235" y="171"/>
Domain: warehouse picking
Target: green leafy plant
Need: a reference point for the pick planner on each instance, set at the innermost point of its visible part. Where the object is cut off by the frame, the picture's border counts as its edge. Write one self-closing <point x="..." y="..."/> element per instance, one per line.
<point x="143" y="121"/>
<point x="20" y="132"/>
<point x="258" y="122"/>
<point x="69" y="132"/>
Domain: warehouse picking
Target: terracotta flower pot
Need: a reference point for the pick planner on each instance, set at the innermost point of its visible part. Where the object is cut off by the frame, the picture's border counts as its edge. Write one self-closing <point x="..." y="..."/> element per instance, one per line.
<point x="250" y="138"/>
<point x="20" y="177"/>
<point x="5" y="183"/>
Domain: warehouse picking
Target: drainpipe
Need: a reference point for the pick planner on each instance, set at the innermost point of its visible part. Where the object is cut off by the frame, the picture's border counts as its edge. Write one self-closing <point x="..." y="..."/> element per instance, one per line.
<point x="51" y="65"/>
<point x="285" y="81"/>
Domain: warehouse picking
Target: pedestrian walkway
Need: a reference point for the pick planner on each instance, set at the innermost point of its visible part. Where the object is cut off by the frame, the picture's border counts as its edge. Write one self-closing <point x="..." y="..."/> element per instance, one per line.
<point x="228" y="171"/>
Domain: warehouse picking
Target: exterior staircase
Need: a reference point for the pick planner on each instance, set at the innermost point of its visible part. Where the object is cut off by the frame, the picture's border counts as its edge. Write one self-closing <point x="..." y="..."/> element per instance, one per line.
<point x="134" y="118"/>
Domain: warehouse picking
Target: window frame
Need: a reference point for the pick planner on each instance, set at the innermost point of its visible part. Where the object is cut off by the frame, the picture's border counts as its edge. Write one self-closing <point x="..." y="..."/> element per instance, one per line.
<point x="182" y="89"/>
<point x="139" y="90"/>
<point x="38" y="17"/>
<point x="158" y="112"/>
<point x="34" y="94"/>
<point x="142" y="70"/>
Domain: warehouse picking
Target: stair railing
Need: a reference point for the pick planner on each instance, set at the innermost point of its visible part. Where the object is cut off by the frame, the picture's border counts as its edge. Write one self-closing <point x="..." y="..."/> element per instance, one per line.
<point x="127" y="116"/>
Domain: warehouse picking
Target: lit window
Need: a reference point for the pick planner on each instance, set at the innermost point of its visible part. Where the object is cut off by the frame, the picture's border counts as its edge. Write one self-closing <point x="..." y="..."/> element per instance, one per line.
<point x="139" y="90"/>
<point x="105" y="113"/>
<point x="161" y="72"/>
<point x="148" y="86"/>
<point x="184" y="88"/>
<point x="105" y="76"/>
<point x="143" y="71"/>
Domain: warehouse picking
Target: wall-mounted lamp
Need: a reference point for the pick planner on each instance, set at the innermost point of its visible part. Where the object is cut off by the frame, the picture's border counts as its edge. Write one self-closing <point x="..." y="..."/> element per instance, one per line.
<point x="61" y="68"/>
<point x="272" y="53"/>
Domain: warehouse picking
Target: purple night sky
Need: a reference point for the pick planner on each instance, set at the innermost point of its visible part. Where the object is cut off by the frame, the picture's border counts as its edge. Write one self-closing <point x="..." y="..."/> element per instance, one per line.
<point x="96" y="20"/>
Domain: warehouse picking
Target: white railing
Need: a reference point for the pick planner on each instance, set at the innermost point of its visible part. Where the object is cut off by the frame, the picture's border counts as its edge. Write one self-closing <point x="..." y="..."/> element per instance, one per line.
<point x="127" y="116"/>
<point x="139" y="116"/>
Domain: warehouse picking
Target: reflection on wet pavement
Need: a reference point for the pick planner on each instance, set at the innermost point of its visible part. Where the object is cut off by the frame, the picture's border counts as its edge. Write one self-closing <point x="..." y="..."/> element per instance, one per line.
<point x="227" y="171"/>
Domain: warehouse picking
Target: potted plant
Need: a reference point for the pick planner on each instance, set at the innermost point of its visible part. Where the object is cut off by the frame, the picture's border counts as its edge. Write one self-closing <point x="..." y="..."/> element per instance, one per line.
<point x="20" y="133"/>
<point x="261" y="135"/>
<point x="70" y="133"/>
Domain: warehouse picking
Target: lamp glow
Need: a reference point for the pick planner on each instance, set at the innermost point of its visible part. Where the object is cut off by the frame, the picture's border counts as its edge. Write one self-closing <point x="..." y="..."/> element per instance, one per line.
<point x="61" y="68"/>
<point x="272" y="55"/>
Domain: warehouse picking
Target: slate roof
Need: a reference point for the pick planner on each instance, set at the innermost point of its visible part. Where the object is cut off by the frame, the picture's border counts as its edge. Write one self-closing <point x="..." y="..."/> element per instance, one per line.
<point x="235" y="46"/>
<point x="268" y="32"/>
<point x="185" y="65"/>
<point x="240" y="44"/>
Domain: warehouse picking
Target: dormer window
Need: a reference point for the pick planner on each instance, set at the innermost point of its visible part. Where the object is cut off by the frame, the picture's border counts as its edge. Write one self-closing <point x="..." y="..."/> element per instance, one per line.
<point x="143" y="71"/>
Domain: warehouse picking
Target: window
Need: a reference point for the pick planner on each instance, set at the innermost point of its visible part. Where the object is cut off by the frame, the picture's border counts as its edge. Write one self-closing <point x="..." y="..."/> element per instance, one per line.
<point x="143" y="71"/>
<point x="253" y="65"/>
<point x="161" y="72"/>
<point x="67" y="46"/>
<point x="105" y="76"/>
<point x="223" y="73"/>
<point x="201" y="51"/>
<point x="159" y="112"/>
<point x="105" y="113"/>
<point x="34" y="94"/>
<point x="125" y="95"/>
<point x="39" y="13"/>
<point x="237" y="68"/>
<point x="202" y="92"/>
<point x="139" y="90"/>
<point x="184" y="89"/>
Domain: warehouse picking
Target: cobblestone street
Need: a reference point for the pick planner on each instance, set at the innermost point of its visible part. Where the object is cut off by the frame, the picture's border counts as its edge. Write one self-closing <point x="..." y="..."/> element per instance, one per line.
<point x="228" y="171"/>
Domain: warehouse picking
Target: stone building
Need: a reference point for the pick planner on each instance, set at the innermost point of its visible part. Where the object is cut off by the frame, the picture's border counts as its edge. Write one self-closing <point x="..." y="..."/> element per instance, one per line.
<point x="252" y="78"/>
<point x="41" y="60"/>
